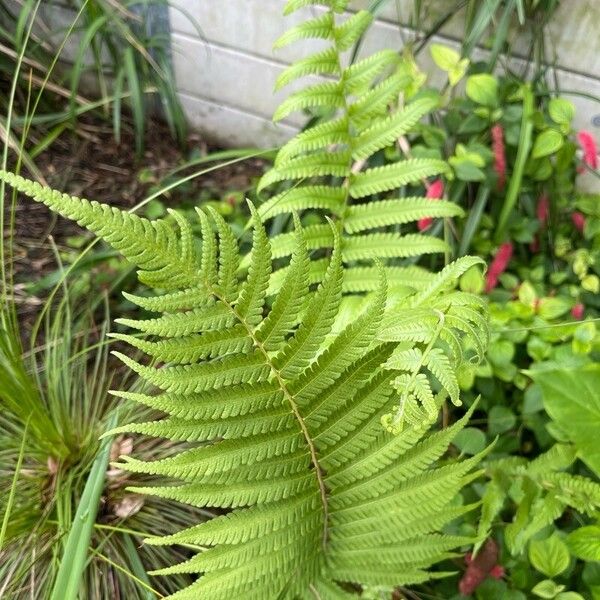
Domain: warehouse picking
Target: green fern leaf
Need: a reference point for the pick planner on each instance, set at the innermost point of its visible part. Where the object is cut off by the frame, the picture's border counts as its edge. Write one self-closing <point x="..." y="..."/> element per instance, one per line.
<point x="363" y="72"/>
<point x="439" y="364"/>
<point x="319" y="137"/>
<point x="322" y="63"/>
<point x="347" y="34"/>
<point x="389" y="177"/>
<point x="376" y="101"/>
<point x="312" y="165"/>
<point x="317" y="28"/>
<point x="391" y="212"/>
<point x="284" y="396"/>
<point x="388" y="245"/>
<point x="290" y="301"/>
<point x="151" y="246"/>
<point x="328" y="95"/>
<point x="386" y="131"/>
<point x="302" y="198"/>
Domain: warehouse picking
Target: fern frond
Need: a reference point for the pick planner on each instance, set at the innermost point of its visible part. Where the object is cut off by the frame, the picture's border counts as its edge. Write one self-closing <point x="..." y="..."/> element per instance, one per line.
<point x="151" y="246"/>
<point x="319" y="137"/>
<point x="382" y="179"/>
<point x="326" y="94"/>
<point x="310" y="165"/>
<point x="317" y="28"/>
<point x="386" y="245"/>
<point x="289" y="303"/>
<point x="363" y="72"/>
<point x="386" y="131"/>
<point x="306" y="197"/>
<point x="389" y="212"/>
<point x="377" y="100"/>
<point x="350" y="31"/>
<point x="287" y="397"/>
<point x="322" y="63"/>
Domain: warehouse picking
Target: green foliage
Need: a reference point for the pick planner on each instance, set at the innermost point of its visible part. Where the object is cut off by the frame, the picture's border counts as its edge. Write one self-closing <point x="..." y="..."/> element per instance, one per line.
<point x="584" y="543"/>
<point x="54" y="405"/>
<point x="333" y="167"/>
<point x="331" y="161"/>
<point x="571" y="399"/>
<point x="542" y="489"/>
<point x="128" y="65"/>
<point x="288" y="410"/>
<point x="549" y="556"/>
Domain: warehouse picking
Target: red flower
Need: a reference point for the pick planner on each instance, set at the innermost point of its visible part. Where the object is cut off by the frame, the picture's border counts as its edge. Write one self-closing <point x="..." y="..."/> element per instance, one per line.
<point x="484" y="565"/>
<point x="543" y="209"/>
<point x="498" y="266"/>
<point x="577" y="311"/>
<point x="499" y="155"/>
<point x="590" y="151"/>
<point x="578" y="220"/>
<point x="435" y="191"/>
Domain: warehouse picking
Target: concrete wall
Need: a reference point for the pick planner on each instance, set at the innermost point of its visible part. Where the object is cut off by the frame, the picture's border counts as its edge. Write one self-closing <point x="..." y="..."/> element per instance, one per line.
<point x="225" y="78"/>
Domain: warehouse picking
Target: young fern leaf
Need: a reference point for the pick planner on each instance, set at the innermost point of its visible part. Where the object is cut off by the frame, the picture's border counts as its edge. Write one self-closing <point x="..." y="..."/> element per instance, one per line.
<point x="287" y="414"/>
<point x="369" y="111"/>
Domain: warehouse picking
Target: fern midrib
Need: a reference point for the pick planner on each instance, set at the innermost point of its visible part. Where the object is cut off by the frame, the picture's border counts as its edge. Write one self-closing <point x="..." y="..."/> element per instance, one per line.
<point x="294" y="407"/>
<point x="346" y="110"/>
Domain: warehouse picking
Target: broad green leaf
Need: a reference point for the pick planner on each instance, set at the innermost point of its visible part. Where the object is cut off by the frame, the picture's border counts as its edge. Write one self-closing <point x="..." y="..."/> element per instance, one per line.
<point x="561" y="110"/>
<point x="500" y="420"/>
<point x="551" y="308"/>
<point x="548" y="142"/>
<point x="444" y="57"/>
<point x="470" y="440"/>
<point x="571" y="398"/>
<point x="483" y="89"/>
<point x="584" y="542"/>
<point x="549" y="556"/>
<point x="547" y="589"/>
<point x="458" y="71"/>
<point x="449" y="60"/>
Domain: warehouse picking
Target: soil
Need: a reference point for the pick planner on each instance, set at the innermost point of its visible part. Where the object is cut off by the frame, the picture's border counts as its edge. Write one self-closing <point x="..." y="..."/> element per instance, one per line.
<point x="90" y="163"/>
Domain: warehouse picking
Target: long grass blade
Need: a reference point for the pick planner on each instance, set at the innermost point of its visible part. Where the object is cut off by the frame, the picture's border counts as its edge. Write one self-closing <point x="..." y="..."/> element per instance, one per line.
<point x="72" y="565"/>
<point x="13" y="488"/>
<point x="472" y="224"/>
<point x="522" y="154"/>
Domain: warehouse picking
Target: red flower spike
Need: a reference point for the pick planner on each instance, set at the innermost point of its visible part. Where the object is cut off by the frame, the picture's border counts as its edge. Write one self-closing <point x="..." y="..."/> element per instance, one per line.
<point x="577" y="311"/>
<point x="480" y="568"/>
<point x="497" y="572"/>
<point x="534" y="246"/>
<point x="590" y="151"/>
<point x="498" y="266"/>
<point x="499" y="154"/>
<point x="435" y="191"/>
<point x="578" y="220"/>
<point x="543" y="209"/>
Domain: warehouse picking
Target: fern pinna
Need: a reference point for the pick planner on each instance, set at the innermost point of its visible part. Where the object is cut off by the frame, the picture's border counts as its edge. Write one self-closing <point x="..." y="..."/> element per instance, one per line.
<point x="284" y="417"/>
<point x="329" y="162"/>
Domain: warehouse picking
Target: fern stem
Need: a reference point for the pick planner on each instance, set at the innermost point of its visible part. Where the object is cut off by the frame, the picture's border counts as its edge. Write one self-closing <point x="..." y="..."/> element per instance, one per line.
<point x="295" y="410"/>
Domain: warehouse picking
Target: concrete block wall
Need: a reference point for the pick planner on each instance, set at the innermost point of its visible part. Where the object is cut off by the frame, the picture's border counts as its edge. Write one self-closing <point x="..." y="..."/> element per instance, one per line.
<point x="225" y="77"/>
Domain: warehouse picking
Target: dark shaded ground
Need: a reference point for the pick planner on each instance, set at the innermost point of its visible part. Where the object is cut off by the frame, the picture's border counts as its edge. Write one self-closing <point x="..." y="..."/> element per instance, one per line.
<point x="91" y="164"/>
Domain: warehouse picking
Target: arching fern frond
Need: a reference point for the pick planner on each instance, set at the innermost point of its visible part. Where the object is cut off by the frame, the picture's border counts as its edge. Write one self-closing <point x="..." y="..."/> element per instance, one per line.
<point x="284" y="411"/>
<point x="369" y="108"/>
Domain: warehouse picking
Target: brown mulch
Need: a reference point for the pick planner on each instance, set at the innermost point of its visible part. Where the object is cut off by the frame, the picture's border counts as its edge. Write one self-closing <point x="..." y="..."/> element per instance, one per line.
<point x="90" y="163"/>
